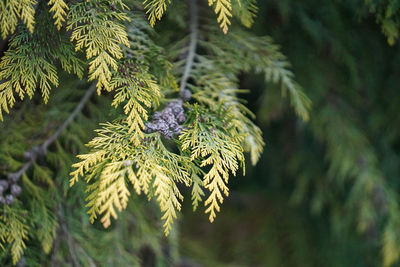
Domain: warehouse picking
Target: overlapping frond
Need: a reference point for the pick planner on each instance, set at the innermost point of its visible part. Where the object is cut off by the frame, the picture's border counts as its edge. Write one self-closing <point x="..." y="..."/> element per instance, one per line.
<point x="149" y="167"/>
<point x="97" y="28"/>
<point x="391" y="239"/>
<point x="246" y="10"/>
<point x="53" y="213"/>
<point x="28" y="64"/>
<point x="59" y="8"/>
<point x="125" y="59"/>
<point x="387" y="15"/>
<point x="244" y="52"/>
<point x="22" y="73"/>
<point x="218" y="88"/>
<point x="155" y="9"/>
<point x="43" y="216"/>
<point x="151" y="55"/>
<point x="136" y="91"/>
<point x="11" y="11"/>
<point x="223" y="9"/>
<point x="217" y="148"/>
<point x="13" y="231"/>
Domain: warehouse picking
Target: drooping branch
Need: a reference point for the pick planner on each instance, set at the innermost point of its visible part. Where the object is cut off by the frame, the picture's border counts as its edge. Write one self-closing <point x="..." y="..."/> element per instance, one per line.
<point x="41" y="150"/>
<point x="194" y="23"/>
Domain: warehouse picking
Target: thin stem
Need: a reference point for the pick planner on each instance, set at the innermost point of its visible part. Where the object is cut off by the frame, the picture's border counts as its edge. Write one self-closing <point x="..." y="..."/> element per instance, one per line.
<point x="70" y="242"/>
<point x="41" y="150"/>
<point x="194" y="23"/>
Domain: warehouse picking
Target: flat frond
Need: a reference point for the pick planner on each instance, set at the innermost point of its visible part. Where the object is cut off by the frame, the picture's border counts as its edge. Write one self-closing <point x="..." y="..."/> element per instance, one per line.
<point x="197" y="191"/>
<point x="215" y="147"/>
<point x="241" y="51"/>
<point x="59" y="8"/>
<point x="136" y="90"/>
<point x="100" y="34"/>
<point x="23" y="68"/>
<point x="13" y="10"/>
<point x="148" y="166"/>
<point x="245" y="10"/>
<point x="13" y="231"/>
<point x="223" y="9"/>
<point x="155" y="9"/>
<point x="216" y="89"/>
<point x="29" y="63"/>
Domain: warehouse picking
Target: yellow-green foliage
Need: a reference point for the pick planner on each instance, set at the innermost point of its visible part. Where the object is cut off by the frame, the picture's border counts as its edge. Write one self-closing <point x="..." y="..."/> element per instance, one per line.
<point x="28" y="64"/>
<point x="223" y="9"/>
<point x="213" y="145"/>
<point x="391" y="239"/>
<point x="246" y="10"/>
<point x="197" y="191"/>
<point x="387" y="15"/>
<point x="96" y="28"/>
<point x="150" y="168"/>
<point x="24" y="67"/>
<point x="13" y="231"/>
<point x="136" y="91"/>
<point x="216" y="134"/>
<point x="13" y="10"/>
<point x="217" y="88"/>
<point x="155" y="9"/>
<point x="59" y="8"/>
<point x="41" y="190"/>
<point x="122" y="56"/>
<point x="240" y="51"/>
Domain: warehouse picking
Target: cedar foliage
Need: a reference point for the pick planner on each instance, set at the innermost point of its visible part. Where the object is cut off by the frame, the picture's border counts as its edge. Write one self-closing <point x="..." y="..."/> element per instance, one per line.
<point x="117" y="48"/>
<point x="139" y="70"/>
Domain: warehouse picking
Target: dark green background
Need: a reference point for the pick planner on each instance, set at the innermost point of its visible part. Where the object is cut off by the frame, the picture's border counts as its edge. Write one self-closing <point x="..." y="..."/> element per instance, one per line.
<point x="341" y="59"/>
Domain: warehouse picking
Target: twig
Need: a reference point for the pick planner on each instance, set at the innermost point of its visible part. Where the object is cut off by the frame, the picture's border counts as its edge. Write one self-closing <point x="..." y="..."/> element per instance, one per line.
<point x="194" y="22"/>
<point x="70" y="241"/>
<point x="88" y="258"/>
<point x="41" y="150"/>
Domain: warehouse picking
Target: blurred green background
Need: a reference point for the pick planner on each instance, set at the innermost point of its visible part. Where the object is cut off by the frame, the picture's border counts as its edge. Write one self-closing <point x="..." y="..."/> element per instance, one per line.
<point x="324" y="192"/>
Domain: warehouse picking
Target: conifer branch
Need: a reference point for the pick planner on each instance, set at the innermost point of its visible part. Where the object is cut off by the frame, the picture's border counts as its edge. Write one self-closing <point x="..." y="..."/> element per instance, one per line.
<point x="194" y="23"/>
<point x="41" y="150"/>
